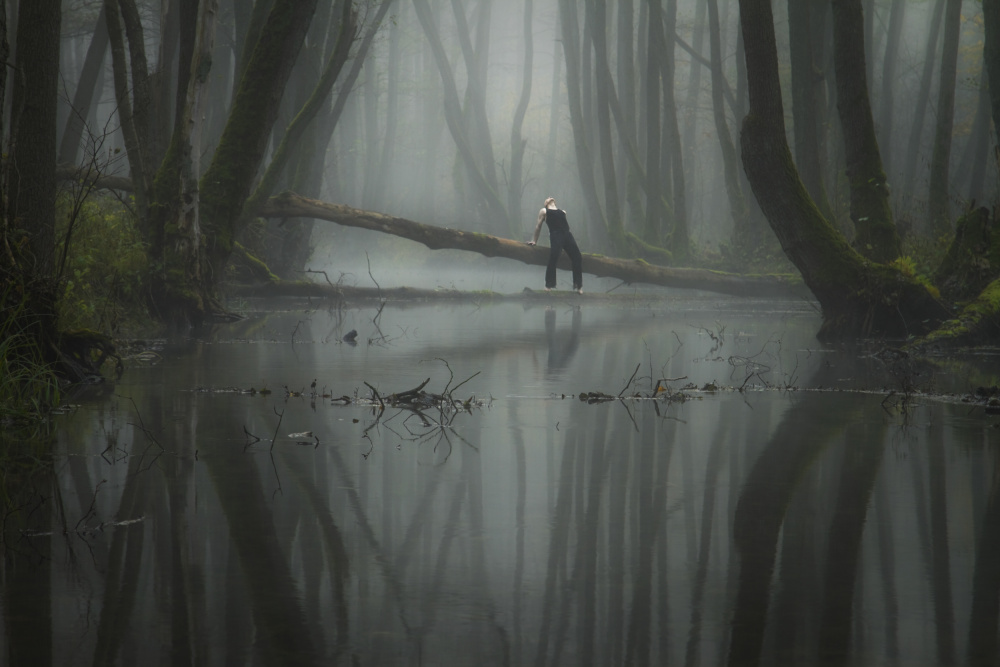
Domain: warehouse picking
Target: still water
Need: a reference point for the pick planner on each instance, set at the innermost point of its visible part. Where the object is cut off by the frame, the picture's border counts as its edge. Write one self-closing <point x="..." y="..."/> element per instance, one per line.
<point x="774" y="502"/>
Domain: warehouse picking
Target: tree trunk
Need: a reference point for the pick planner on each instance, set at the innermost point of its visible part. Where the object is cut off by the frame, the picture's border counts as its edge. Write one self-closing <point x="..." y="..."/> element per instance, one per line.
<point x="32" y="169"/>
<point x="875" y="233"/>
<point x="920" y="102"/>
<point x="487" y="195"/>
<point x="134" y="139"/>
<point x="226" y="184"/>
<point x="991" y="58"/>
<point x="887" y="103"/>
<point x="730" y="160"/>
<point x="569" y="30"/>
<point x="680" y="239"/>
<point x="515" y="188"/>
<point x="857" y="297"/>
<point x="805" y="71"/>
<point x="290" y="205"/>
<point x="937" y="205"/>
<point x="651" y="95"/>
<point x="183" y="293"/>
<point x="597" y="18"/>
<point x="972" y="167"/>
<point x="83" y="98"/>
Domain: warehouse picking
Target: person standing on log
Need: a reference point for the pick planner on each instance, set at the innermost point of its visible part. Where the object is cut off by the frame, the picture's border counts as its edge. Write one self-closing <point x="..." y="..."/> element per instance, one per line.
<point x="560" y="238"/>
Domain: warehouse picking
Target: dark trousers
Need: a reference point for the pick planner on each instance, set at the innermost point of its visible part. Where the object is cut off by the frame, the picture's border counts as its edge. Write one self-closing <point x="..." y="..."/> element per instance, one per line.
<point x="559" y="241"/>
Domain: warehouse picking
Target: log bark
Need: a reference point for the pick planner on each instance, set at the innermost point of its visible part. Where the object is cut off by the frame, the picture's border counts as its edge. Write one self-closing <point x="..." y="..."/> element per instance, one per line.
<point x="291" y="205"/>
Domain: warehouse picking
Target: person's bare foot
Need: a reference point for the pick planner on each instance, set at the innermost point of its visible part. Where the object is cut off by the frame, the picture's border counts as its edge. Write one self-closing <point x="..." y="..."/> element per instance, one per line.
<point x="579" y="290"/>
<point x="548" y="289"/>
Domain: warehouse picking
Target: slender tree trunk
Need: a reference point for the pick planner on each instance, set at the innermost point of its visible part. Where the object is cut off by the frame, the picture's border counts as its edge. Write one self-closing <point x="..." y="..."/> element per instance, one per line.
<point x="515" y="187"/>
<point x="134" y="138"/>
<point x="487" y="194"/>
<point x="887" y="103"/>
<point x="920" y="102"/>
<point x="730" y="160"/>
<point x="391" y="112"/>
<point x="584" y="161"/>
<point x="991" y="58"/>
<point x="680" y="239"/>
<point x="83" y="98"/>
<point x="875" y="231"/>
<point x="651" y="95"/>
<point x="972" y="166"/>
<point x="598" y="28"/>
<point x="937" y="205"/>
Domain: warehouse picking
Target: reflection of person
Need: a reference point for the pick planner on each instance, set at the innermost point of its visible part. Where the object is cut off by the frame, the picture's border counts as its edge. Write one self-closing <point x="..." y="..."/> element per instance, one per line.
<point x="561" y="347"/>
<point x="560" y="238"/>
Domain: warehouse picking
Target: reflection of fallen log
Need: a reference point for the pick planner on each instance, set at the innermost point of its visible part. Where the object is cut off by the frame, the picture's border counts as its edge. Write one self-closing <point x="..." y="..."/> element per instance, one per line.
<point x="291" y="205"/>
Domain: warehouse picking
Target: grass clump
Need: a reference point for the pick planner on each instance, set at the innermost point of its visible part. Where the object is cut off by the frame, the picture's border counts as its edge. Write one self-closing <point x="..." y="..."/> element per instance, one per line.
<point x="29" y="385"/>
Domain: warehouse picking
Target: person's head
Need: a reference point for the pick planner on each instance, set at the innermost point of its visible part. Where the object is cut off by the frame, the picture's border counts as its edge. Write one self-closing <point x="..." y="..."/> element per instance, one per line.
<point x="550" y="202"/>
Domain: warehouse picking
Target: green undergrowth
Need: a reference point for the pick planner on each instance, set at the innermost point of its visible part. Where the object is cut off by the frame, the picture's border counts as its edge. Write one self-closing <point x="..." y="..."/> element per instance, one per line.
<point x="105" y="275"/>
<point x="29" y="385"/>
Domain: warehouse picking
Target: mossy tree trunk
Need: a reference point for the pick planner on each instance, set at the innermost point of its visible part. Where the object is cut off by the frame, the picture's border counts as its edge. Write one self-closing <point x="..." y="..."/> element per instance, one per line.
<point x="857" y="296"/>
<point x="174" y="216"/>
<point x="227" y="182"/>
<point x="875" y="231"/>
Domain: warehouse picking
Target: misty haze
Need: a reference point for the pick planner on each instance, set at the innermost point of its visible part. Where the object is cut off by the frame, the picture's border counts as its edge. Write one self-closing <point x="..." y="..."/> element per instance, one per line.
<point x="499" y="332"/>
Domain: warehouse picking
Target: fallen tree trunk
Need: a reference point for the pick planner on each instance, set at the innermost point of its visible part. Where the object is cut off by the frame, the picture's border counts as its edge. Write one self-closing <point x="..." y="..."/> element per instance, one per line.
<point x="291" y="205"/>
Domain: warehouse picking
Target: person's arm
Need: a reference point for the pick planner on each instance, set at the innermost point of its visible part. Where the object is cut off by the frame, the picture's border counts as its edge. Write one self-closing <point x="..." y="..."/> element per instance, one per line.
<point x="538" y="227"/>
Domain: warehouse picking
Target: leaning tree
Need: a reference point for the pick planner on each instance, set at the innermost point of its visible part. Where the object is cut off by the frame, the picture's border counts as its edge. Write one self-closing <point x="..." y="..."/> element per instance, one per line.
<point x="858" y="296"/>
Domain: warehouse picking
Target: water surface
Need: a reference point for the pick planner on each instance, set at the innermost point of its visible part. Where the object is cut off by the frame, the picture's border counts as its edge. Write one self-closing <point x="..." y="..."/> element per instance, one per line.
<point x="775" y="503"/>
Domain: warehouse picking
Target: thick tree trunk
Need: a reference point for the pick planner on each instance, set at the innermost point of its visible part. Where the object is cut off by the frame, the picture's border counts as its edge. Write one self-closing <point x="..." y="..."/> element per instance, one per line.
<point x="875" y="232"/>
<point x="857" y="297"/>
<point x="226" y="184"/>
<point x="805" y="109"/>
<point x="32" y="169"/>
<point x="182" y="293"/>
<point x="290" y="205"/>
<point x="937" y="204"/>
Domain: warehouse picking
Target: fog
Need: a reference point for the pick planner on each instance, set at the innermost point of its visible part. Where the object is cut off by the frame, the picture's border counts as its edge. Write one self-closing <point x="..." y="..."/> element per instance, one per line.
<point x="393" y="149"/>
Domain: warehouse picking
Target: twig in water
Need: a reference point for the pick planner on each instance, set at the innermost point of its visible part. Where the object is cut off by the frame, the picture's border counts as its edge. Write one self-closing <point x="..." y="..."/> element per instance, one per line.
<point x="90" y="511"/>
<point x="281" y="415"/>
<point x="463" y="382"/>
<point x="625" y="388"/>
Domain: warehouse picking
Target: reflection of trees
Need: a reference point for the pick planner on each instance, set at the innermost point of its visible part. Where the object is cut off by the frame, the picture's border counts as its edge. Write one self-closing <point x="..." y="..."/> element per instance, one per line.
<point x="760" y="513"/>
<point x="985" y="617"/>
<point x="281" y="625"/>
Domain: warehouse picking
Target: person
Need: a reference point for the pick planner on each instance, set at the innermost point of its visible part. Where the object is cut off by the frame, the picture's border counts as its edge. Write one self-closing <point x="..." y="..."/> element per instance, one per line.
<point x="560" y="238"/>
